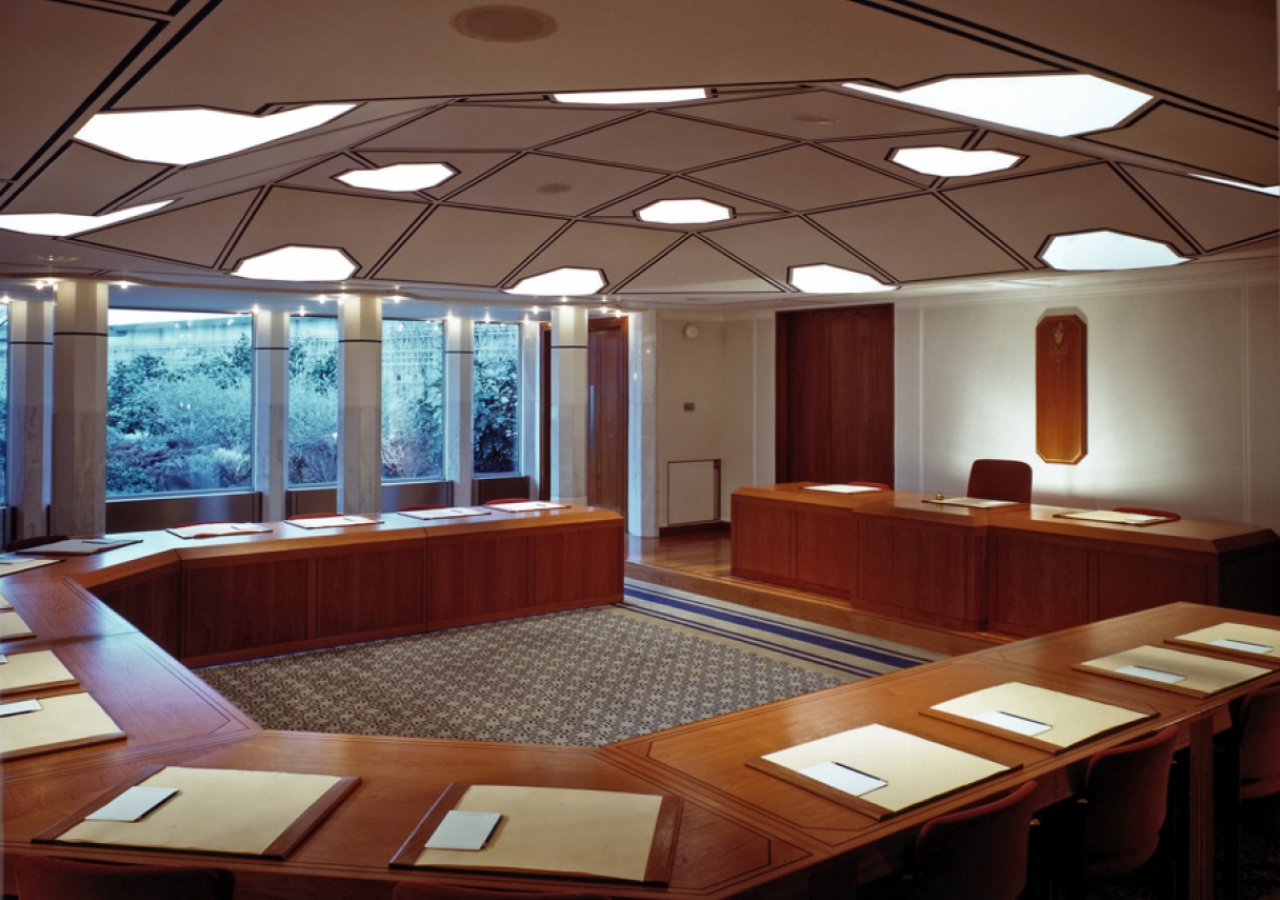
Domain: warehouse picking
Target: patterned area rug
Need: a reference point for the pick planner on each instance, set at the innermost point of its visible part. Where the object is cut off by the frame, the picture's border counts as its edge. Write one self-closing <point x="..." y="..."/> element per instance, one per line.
<point x="585" y="677"/>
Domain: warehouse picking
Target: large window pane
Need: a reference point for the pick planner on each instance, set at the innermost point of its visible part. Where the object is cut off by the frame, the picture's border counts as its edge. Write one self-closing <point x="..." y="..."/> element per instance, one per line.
<point x="412" y="399"/>
<point x="496" y="398"/>
<point x="179" y="402"/>
<point x="313" y="400"/>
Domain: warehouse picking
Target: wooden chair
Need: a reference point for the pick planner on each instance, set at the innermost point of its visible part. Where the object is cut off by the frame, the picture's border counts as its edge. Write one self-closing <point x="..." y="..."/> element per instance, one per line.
<point x="38" y="541"/>
<point x="879" y="486"/>
<point x="50" y="878"/>
<point x="425" y="890"/>
<point x="1141" y="511"/>
<point x="1247" y="768"/>
<point x="1000" y="479"/>
<point x="979" y="853"/>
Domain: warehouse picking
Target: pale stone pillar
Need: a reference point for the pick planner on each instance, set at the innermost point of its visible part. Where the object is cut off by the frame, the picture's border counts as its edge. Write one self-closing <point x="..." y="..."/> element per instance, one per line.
<point x="79" y="491"/>
<point x="459" y="459"/>
<point x="642" y="424"/>
<point x="530" y="401"/>
<point x="30" y="415"/>
<point x="360" y="405"/>
<point x="569" y="404"/>
<point x="270" y="410"/>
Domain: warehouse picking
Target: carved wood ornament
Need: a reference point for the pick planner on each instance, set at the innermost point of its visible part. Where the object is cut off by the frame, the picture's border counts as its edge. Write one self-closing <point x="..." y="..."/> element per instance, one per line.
<point x="1061" y="399"/>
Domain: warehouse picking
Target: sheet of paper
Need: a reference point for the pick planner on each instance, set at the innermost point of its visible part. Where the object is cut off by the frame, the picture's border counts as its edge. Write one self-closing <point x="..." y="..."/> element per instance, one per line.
<point x="1010" y="722"/>
<point x="1251" y="639"/>
<point x="974" y="502"/>
<point x="1051" y="717"/>
<point x="12" y="565"/>
<point x="132" y="805"/>
<point x="32" y="670"/>
<point x="844" y="778"/>
<point x="452" y="512"/>
<point x="1152" y="674"/>
<point x="12" y="626"/>
<point x="841" y="488"/>
<point x="18" y="707"/>
<point x="79" y="546"/>
<point x="332" y="521"/>
<point x="463" y="830"/>
<point x="527" y="506"/>
<point x="217" y="529"/>
<point x="1241" y="646"/>
<point x="1110" y="515"/>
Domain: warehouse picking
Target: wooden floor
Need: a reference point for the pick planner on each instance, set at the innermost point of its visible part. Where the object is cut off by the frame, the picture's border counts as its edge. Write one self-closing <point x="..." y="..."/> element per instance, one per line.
<point x="700" y="563"/>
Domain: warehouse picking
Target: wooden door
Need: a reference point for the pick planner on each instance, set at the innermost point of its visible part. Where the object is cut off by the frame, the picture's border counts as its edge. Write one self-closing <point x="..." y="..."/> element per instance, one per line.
<point x="607" y="413"/>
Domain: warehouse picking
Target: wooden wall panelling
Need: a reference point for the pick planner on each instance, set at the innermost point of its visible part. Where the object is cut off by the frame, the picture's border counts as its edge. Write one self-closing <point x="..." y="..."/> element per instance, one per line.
<point x="375" y="588"/>
<point x="233" y="604"/>
<point x="570" y="567"/>
<point x="762" y="535"/>
<point x="477" y="578"/>
<point x="607" y="414"/>
<point x="1036" y="585"/>
<point x="152" y="602"/>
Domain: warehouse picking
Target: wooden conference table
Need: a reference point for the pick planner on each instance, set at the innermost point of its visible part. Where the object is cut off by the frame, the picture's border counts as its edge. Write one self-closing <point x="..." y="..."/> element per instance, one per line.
<point x="742" y="831"/>
<point x="1020" y="570"/>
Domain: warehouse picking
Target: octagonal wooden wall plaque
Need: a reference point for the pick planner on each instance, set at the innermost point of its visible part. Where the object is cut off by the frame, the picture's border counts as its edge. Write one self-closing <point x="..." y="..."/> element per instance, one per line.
<point x="1061" y="398"/>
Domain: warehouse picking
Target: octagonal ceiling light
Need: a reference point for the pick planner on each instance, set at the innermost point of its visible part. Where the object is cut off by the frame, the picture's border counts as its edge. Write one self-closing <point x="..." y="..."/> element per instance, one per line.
<point x="183" y="136"/>
<point x="668" y="95"/>
<point x="950" y="162"/>
<point x="400" y="177"/>
<point x="825" y="279"/>
<point x="293" y="263"/>
<point x="684" y="212"/>
<point x="1058" y="105"/>
<point x="563" y="282"/>
<point x="67" y="224"/>
<point x="1107" y="251"/>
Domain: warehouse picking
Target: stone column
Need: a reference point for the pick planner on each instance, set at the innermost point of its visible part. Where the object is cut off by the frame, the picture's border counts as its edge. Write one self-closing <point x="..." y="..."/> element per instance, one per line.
<point x="30" y="415"/>
<point x="530" y="396"/>
<point x="569" y="404"/>
<point x="459" y="459"/>
<point x="270" y="410"/>
<point x="79" y="492"/>
<point x="360" y="405"/>
<point x="642" y="424"/>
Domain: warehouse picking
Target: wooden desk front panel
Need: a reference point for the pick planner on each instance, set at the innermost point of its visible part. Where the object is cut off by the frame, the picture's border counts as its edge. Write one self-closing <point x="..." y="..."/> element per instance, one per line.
<point x="763" y="536"/>
<point x="151" y="601"/>
<point x="371" y="589"/>
<point x="476" y="579"/>
<point x="576" y="566"/>
<point x="59" y="611"/>
<point x="1036" y="585"/>
<point x="825" y="551"/>
<point x="926" y="572"/>
<point x="237" y="604"/>
<point x="1129" y="582"/>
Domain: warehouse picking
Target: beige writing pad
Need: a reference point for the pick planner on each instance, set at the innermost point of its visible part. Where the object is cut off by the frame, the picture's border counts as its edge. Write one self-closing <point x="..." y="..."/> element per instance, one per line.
<point x="32" y="671"/>
<point x="71" y="720"/>
<point x="1174" y="670"/>
<point x="12" y="627"/>
<point x="1231" y="640"/>
<point x="1049" y="720"/>
<point x="914" y="770"/>
<point x="233" y="811"/>
<point x="564" y="831"/>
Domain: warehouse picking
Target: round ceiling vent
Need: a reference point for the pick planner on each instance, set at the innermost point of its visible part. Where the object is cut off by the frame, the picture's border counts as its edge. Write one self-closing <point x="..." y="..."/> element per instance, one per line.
<point x="504" y="23"/>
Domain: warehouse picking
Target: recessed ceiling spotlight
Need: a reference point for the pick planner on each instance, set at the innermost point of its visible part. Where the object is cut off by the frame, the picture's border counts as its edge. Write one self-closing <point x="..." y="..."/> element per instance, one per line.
<point x="684" y="212"/>
<point x="183" y="136"/>
<point x="563" y="282"/>
<point x="506" y="24"/>
<point x="825" y="279"/>
<point x="400" y="178"/>
<point x="1059" y="105"/>
<point x="66" y="224"/>
<point x="670" y="95"/>
<point x="55" y="258"/>
<point x="298" y="264"/>
<point x="1274" y="190"/>
<point x="554" y="187"/>
<point x="1107" y="251"/>
<point x="815" y="119"/>
<point x="949" y="162"/>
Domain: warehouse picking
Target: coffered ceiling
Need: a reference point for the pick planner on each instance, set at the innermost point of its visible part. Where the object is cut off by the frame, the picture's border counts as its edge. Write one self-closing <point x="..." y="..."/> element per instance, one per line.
<point x="802" y="161"/>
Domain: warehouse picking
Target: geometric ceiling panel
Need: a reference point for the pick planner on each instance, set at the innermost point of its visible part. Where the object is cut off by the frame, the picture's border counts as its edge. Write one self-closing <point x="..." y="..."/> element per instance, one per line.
<point x="81" y="180"/>
<point x="664" y="142"/>
<point x="1024" y="212"/>
<point x="804" y="178"/>
<point x="53" y="55"/>
<point x="617" y="250"/>
<point x="558" y="186"/>
<point x="363" y="227"/>
<point x="1216" y="215"/>
<point x="916" y="239"/>
<point x="1177" y="135"/>
<point x="876" y="151"/>
<point x="680" y="189"/>
<point x="820" y="115"/>
<point x="696" y="267"/>
<point x="1038" y="157"/>
<point x="468" y="247"/>
<point x="774" y="247"/>
<point x="478" y="127"/>
<point x="194" y="234"/>
<point x="324" y="175"/>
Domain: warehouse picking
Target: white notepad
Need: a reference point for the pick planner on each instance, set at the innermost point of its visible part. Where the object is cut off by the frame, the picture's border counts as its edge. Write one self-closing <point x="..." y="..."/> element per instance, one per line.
<point x="332" y="521"/>
<point x="132" y="805"/>
<point x="19" y="707"/>
<point x="844" y="778"/>
<point x="1241" y="646"/>
<point x="841" y="488"/>
<point x="451" y="512"/>
<point x="1151" y="674"/>
<point x="1010" y="722"/>
<point x="463" y="830"/>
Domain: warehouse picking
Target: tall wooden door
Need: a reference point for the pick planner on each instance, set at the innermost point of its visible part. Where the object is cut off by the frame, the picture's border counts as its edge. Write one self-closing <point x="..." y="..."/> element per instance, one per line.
<point x="607" y="413"/>
<point x="835" y="395"/>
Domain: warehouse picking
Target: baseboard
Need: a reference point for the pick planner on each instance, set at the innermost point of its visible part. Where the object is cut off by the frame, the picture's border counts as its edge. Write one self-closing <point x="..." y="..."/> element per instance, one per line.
<point x="693" y="528"/>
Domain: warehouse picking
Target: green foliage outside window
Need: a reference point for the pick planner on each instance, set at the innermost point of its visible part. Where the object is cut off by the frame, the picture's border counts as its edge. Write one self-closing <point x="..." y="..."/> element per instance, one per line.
<point x="412" y="399"/>
<point x="495" y="398"/>
<point x="313" y="401"/>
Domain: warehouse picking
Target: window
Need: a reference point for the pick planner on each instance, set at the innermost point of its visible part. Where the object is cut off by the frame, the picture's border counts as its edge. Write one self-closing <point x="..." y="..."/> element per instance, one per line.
<point x="412" y="399"/>
<point x="179" y="402"/>
<point x="495" y="389"/>
<point x="313" y="400"/>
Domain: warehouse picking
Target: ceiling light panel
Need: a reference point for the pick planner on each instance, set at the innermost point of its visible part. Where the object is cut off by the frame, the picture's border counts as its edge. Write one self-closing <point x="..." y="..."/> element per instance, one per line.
<point x="1107" y="251"/>
<point x="400" y="178"/>
<point x="298" y="264"/>
<point x="949" y="162"/>
<point x="184" y="136"/>
<point x="66" y="224"/>
<point x="825" y="279"/>
<point x="624" y="98"/>
<point x="1058" y="105"/>
<point x="684" y="212"/>
<point x="564" y="282"/>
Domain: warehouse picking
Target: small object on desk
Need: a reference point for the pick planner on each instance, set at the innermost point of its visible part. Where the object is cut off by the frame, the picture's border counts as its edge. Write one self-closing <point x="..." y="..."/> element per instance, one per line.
<point x="332" y="521"/>
<point x="463" y="830"/>
<point x="13" y="627"/>
<point x="844" y="778"/>
<point x="79" y="547"/>
<point x="450" y="512"/>
<point x="19" y="707"/>
<point x="1149" y="674"/>
<point x="1241" y="646"/>
<point x="939" y="496"/>
<point x="132" y="805"/>
<point x="1015" y="723"/>
<point x="1176" y="670"/>
<point x="216" y="529"/>
<point x="527" y="506"/>
<point x="12" y="565"/>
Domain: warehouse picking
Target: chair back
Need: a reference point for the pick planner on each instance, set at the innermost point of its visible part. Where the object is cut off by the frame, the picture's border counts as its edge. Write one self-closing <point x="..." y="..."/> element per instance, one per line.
<point x="425" y="890"/>
<point x="1143" y="511"/>
<point x="1126" y="789"/>
<point x="1259" y="731"/>
<point x="50" y="878"/>
<point x="978" y="853"/>
<point x="1000" y="479"/>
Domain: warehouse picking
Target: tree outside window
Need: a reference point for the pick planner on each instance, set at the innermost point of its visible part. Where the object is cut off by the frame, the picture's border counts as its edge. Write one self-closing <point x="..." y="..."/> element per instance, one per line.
<point x="495" y="396"/>
<point x="412" y="399"/>
<point x="313" y="400"/>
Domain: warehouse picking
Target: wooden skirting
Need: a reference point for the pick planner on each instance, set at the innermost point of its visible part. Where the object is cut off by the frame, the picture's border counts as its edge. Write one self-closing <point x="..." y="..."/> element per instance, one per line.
<point x="695" y="528"/>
